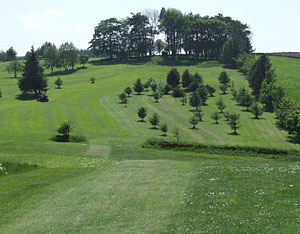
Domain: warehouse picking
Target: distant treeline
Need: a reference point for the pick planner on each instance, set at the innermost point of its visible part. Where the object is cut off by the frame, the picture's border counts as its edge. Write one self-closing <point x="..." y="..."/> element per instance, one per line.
<point x="208" y="37"/>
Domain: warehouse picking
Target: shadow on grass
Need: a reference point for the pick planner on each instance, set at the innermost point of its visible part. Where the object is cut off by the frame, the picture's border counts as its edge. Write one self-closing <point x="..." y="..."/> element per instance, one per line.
<point x="141" y="121"/>
<point x="27" y="97"/>
<point x="293" y="140"/>
<point x="154" y="128"/>
<point x="233" y="134"/>
<point x="179" y="60"/>
<point x="66" y="72"/>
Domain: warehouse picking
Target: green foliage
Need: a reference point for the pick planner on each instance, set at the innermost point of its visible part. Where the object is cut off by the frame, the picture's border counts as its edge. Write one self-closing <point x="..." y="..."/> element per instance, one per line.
<point x="156" y="96"/>
<point x="228" y="53"/>
<point x="186" y="78"/>
<point x="154" y="120"/>
<point x="138" y="86"/>
<point x="211" y="90"/>
<point x="83" y="59"/>
<point x="58" y="82"/>
<point x="245" y="62"/>
<point x="224" y="78"/>
<point x="68" y="55"/>
<point x="270" y="94"/>
<point x="128" y="90"/>
<point x="65" y="129"/>
<point x="256" y="109"/>
<point x="223" y="88"/>
<point x="234" y="122"/>
<point x="173" y="77"/>
<point x="260" y="71"/>
<point x="167" y="89"/>
<point x="178" y="92"/>
<point x="142" y="113"/>
<point x="0" y="93"/>
<point x="51" y="57"/>
<point x="195" y="100"/>
<point x="216" y="116"/>
<point x="33" y="76"/>
<point x="221" y="104"/>
<point x="194" y="121"/>
<point x="15" y="67"/>
<point x="123" y="98"/>
<point x="164" y="128"/>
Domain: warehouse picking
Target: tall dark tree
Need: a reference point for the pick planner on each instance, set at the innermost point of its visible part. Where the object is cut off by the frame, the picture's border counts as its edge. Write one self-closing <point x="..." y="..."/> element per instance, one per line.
<point x="234" y="122"/>
<point x="11" y="54"/>
<point x="138" y="86"/>
<point x="140" y="34"/>
<point x="228" y="54"/>
<point x="195" y="100"/>
<point x="172" y="25"/>
<point x="186" y="78"/>
<point x="33" y="75"/>
<point x="173" y="77"/>
<point x="142" y="113"/>
<point x="256" y="109"/>
<point x="224" y="78"/>
<point x="260" y="71"/>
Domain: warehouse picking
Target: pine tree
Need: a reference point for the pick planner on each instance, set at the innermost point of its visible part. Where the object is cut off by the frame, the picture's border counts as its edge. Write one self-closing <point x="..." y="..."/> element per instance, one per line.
<point x="33" y="75"/>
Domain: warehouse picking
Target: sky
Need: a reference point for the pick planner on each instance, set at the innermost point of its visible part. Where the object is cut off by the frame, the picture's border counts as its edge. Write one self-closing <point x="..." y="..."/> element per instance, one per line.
<point x="26" y="23"/>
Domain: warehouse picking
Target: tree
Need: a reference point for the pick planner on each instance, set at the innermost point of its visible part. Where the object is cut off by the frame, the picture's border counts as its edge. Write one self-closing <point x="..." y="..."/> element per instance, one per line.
<point x="234" y="123"/>
<point x="292" y="123"/>
<point x="156" y="96"/>
<point x="198" y="113"/>
<point x="246" y="100"/>
<point x="51" y="57"/>
<point x="228" y="53"/>
<point x="154" y="120"/>
<point x="138" y="86"/>
<point x="93" y="80"/>
<point x="123" y="98"/>
<point x="110" y="38"/>
<point x="0" y="93"/>
<point x="140" y="34"/>
<point x="260" y="71"/>
<point x="167" y="89"/>
<point x="128" y="90"/>
<point x="256" y="109"/>
<point x="176" y="134"/>
<point x="65" y="129"/>
<point x="224" y="78"/>
<point x="15" y="67"/>
<point x="211" y="90"/>
<point x="160" y="45"/>
<point x="195" y="100"/>
<point x="270" y="94"/>
<point x="172" y="25"/>
<point x="153" y="18"/>
<point x="183" y="99"/>
<point x="68" y="55"/>
<point x="142" y="113"/>
<point x="221" y="105"/>
<point x="58" y="83"/>
<point x="223" y="88"/>
<point x="178" y="92"/>
<point x="203" y="93"/>
<point x="194" y="121"/>
<point x="83" y="59"/>
<point x="216" y="116"/>
<point x="173" y="77"/>
<point x="11" y="54"/>
<point x="164" y="128"/>
<point x="186" y="79"/>
<point x="33" y="75"/>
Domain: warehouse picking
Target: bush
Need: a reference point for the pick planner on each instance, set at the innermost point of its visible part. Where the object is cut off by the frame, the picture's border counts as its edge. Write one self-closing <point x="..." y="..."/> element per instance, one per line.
<point x="177" y="92"/>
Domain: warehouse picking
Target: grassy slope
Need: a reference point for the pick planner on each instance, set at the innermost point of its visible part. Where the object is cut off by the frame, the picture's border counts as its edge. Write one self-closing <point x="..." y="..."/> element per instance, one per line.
<point x="287" y="71"/>
<point x="112" y="185"/>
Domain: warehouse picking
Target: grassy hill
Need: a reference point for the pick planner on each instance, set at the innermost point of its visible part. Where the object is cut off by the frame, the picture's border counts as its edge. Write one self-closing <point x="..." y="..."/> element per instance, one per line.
<point x="287" y="74"/>
<point x="111" y="184"/>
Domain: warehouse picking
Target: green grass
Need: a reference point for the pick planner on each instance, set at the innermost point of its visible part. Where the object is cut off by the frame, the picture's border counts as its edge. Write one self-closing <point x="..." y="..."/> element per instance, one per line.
<point x="287" y="72"/>
<point x="110" y="184"/>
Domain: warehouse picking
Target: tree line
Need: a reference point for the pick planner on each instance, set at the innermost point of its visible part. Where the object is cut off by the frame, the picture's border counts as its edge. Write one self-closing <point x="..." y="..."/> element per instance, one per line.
<point x="208" y="37"/>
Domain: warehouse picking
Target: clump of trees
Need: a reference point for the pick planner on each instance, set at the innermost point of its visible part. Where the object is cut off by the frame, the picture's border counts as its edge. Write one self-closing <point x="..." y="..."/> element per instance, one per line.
<point x="208" y="37"/>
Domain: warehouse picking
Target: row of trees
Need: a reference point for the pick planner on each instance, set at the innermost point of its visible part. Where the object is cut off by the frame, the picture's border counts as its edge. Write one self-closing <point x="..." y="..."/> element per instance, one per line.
<point x="9" y="55"/>
<point x="66" y="56"/>
<point x="207" y="37"/>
